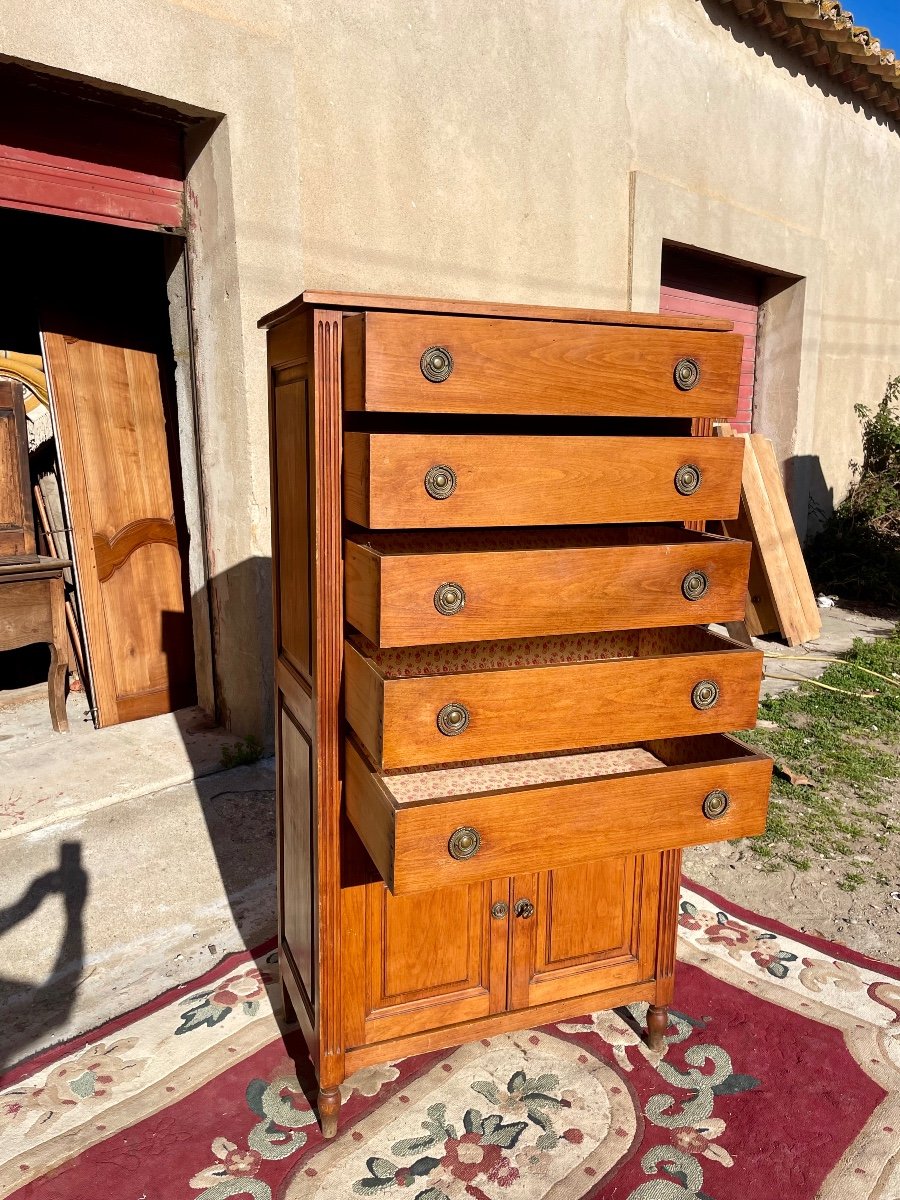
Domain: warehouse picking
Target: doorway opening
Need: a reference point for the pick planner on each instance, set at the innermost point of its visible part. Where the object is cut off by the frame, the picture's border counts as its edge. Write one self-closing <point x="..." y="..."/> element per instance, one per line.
<point x="85" y="337"/>
<point x="704" y="285"/>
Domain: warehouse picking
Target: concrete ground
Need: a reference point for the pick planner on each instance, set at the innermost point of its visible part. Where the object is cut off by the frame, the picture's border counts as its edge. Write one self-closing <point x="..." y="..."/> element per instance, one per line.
<point x="102" y="911"/>
<point x="840" y="627"/>
<point x="131" y="862"/>
<point x="51" y="776"/>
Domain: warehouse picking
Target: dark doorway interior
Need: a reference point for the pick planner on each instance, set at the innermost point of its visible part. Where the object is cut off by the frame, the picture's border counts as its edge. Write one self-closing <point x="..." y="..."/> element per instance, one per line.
<point x="103" y="288"/>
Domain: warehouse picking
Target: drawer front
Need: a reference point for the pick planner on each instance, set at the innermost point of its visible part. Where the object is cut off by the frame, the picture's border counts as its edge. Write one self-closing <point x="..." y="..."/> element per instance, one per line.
<point x="396" y="600"/>
<point x="404" y="722"/>
<point x="397" y="362"/>
<point x="397" y="481"/>
<point x="541" y="828"/>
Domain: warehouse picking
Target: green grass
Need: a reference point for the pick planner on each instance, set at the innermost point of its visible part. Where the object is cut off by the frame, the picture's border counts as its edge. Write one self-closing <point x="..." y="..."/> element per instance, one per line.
<point x="849" y="748"/>
<point x="242" y="753"/>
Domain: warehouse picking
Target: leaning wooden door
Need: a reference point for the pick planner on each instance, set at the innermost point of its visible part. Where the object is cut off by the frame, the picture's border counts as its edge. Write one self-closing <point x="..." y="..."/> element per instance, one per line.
<point x="114" y="451"/>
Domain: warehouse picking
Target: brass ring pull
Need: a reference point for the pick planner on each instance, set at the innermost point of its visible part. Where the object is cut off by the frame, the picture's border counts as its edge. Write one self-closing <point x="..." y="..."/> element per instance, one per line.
<point x="705" y="694"/>
<point x="687" y="374"/>
<point x="688" y="478"/>
<point x="449" y="598"/>
<point x="464" y="842"/>
<point x="440" y="482"/>
<point x="716" y="804"/>
<point x="453" y="719"/>
<point x="524" y="909"/>
<point x="695" y="585"/>
<point x="436" y="364"/>
<point x="499" y="910"/>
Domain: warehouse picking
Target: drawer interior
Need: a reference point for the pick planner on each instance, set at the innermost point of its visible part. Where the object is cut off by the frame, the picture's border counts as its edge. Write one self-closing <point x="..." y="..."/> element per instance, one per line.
<point x="408" y="662"/>
<point x="487" y="777"/>
<point x="536" y="813"/>
<point x="563" y="537"/>
<point x="476" y="778"/>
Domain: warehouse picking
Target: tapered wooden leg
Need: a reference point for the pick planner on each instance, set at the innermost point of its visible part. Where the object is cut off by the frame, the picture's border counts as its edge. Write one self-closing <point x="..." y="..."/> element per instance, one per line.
<point x="657" y="1024"/>
<point x="56" y="686"/>
<point x="329" y="1106"/>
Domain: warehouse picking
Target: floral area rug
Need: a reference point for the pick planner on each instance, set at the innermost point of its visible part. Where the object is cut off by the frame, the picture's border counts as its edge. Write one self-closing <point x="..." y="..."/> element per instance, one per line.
<point x="781" y="1078"/>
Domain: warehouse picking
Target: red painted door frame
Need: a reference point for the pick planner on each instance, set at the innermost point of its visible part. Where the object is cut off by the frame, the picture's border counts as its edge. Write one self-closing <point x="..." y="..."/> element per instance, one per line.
<point x="71" y="152"/>
<point x="700" y="285"/>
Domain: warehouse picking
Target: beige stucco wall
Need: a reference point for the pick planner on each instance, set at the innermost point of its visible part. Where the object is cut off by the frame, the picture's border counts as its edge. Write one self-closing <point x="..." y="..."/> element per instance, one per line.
<point x="534" y="150"/>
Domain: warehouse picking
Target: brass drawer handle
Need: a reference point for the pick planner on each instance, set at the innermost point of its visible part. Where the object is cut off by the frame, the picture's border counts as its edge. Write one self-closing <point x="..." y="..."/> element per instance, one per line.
<point x="440" y="482"/>
<point x="716" y="804"/>
<point x="695" y="585"/>
<point x="449" y="599"/>
<point x="436" y="364"/>
<point x="524" y="909"/>
<point x="688" y="478"/>
<point x="453" y="719"/>
<point x="499" y="910"/>
<point x="687" y="374"/>
<point x="464" y="842"/>
<point x="705" y="694"/>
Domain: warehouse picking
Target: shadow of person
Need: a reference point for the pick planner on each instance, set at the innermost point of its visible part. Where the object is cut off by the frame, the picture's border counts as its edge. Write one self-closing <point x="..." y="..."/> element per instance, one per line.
<point x="29" y="1012"/>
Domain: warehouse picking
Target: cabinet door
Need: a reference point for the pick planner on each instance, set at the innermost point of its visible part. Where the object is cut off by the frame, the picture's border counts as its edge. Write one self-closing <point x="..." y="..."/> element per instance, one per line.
<point x="420" y="962"/>
<point x="593" y="927"/>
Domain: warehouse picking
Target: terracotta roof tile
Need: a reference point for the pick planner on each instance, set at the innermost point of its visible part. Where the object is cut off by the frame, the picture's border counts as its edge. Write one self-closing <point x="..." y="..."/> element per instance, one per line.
<point x="824" y="33"/>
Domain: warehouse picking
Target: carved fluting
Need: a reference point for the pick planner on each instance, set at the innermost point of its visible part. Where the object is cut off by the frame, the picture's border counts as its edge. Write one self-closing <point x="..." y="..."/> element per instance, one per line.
<point x="329" y="626"/>
<point x="669" y="891"/>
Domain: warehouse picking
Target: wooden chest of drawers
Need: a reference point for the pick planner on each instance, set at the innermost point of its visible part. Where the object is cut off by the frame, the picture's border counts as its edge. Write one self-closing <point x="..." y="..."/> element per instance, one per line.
<point x="500" y="714"/>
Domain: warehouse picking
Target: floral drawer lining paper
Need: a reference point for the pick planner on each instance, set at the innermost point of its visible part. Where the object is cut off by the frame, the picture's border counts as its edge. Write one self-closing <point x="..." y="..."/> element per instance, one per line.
<point x="404" y="662"/>
<point x="498" y="776"/>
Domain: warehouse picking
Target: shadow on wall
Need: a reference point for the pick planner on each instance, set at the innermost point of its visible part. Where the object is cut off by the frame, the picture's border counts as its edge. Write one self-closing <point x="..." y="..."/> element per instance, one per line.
<point x="765" y="46"/>
<point x="29" y="1010"/>
<point x="245" y="587"/>
<point x="804" y="476"/>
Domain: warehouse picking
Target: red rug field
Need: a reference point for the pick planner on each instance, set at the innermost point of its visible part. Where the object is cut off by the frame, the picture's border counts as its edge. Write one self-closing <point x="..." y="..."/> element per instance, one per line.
<point x="781" y="1079"/>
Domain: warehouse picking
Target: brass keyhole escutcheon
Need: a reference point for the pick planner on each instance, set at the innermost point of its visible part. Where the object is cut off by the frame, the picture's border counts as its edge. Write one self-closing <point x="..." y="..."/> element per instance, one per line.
<point x="436" y="364"/>
<point x="688" y="478"/>
<point x="695" y="585"/>
<point x="440" y="482"/>
<point x="524" y="909"/>
<point x="705" y="694"/>
<point x="716" y="804"/>
<point x="464" y="842"/>
<point x="449" y="599"/>
<point x="687" y="374"/>
<point x="453" y="719"/>
<point x="499" y="910"/>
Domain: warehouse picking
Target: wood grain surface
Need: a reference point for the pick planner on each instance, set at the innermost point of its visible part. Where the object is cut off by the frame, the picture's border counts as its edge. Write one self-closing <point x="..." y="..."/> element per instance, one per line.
<point x="508" y="366"/>
<point x="112" y="417"/>
<point x="534" y="709"/>
<point x="355" y="301"/>
<point x="542" y="827"/>
<point x="531" y="593"/>
<point x="536" y="480"/>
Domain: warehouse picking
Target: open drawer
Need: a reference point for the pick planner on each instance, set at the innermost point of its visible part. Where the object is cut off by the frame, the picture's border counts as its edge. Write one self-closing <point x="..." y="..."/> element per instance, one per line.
<point x="425" y="362"/>
<point x="432" y="829"/>
<point x="431" y="481"/>
<point x="414" y="706"/>
<point x="419" y="588"/>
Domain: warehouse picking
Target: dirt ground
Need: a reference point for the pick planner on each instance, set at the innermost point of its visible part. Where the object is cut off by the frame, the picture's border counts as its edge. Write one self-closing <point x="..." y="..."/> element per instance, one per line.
<point x="867" y="919"/>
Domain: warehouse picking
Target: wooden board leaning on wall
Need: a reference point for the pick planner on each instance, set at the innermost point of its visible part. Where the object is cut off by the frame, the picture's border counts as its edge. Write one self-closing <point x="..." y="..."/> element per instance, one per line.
<point x="780" y="598"/>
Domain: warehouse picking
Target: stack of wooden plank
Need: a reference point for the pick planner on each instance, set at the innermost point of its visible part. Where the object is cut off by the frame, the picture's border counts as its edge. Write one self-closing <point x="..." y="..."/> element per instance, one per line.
<point x="780" y="597"/>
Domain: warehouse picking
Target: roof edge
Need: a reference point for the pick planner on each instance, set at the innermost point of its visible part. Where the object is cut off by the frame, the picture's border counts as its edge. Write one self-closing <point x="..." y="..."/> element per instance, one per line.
<point x="823" y="33"/>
